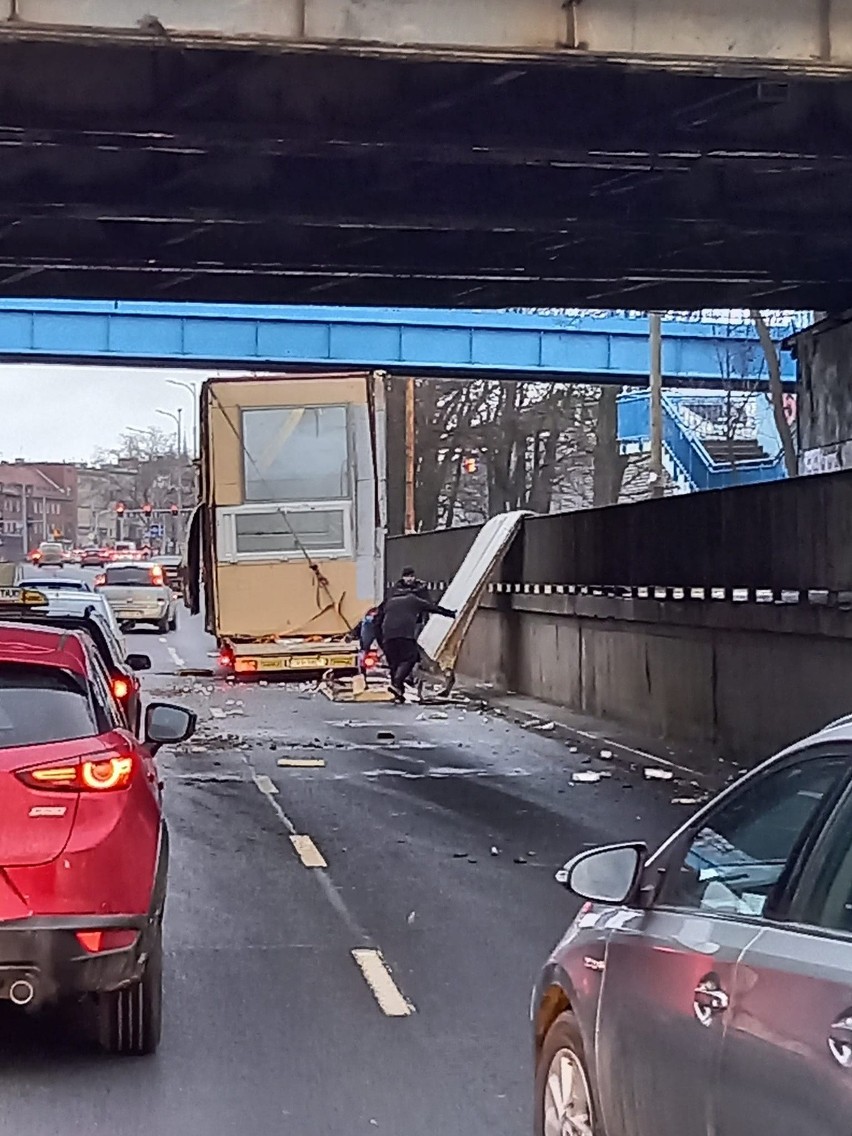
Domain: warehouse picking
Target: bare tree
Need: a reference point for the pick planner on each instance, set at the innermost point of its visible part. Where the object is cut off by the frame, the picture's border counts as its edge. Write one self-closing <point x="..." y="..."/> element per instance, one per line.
<point x="776" y="392"/>
<point x="609" y="463"/>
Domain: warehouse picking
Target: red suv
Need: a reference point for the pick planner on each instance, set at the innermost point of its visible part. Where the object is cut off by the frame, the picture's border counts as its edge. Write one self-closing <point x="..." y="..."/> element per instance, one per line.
<point x="83" y="843"/>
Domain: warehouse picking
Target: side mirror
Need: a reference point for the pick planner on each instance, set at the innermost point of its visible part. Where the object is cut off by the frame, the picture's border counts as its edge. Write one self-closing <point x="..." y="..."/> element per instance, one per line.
<point x="605" y="875"/>
<point x="166" y="724"/>
<point x="139" y="662"/>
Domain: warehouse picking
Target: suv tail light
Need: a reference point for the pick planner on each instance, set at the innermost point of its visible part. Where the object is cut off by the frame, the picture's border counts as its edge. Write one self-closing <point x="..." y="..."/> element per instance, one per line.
<point x="156" y="575"/>
<point x="99" y="775"/>
<point x="226" y="658"/>
<point x="371" y="660"/>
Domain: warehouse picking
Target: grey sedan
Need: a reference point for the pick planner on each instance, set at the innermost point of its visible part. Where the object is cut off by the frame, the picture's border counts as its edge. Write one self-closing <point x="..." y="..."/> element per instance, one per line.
<point x="708" y="989"/>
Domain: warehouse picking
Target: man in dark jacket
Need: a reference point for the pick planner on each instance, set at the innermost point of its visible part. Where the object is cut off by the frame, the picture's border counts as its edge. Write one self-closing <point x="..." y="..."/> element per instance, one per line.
<point x="399" y="619"/>
<point x="408" y="582"/>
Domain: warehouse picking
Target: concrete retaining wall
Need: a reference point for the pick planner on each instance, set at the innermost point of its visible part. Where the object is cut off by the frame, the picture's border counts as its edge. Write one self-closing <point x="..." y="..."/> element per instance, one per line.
<point x="745" y="679"/>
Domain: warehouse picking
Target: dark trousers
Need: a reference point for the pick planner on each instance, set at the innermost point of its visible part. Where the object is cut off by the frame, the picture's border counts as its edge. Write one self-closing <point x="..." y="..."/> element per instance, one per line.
<point x="402" y="656"/>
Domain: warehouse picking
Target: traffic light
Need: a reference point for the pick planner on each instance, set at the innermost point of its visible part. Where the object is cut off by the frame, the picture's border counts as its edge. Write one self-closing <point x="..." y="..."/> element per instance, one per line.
<point x="175" y="510"/>
<point x="469" y="465"/>
<point x="147" y="509"/>
<point x="119" y="508"/>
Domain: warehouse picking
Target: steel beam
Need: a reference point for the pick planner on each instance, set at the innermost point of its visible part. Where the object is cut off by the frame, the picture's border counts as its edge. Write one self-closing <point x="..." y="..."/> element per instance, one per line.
<point x="813" y="34"/>
<point x="472" y="343"/>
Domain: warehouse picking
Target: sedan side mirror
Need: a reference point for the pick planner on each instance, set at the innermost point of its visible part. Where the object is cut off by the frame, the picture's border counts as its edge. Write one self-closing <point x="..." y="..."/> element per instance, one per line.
<point x="166" y="724"/>
<point x="605" y="875"/>
<point x="139" y="662"/>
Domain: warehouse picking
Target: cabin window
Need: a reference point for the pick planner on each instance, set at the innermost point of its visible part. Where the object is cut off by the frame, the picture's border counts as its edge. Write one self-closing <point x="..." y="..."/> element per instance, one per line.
<point x="295" y="454"/>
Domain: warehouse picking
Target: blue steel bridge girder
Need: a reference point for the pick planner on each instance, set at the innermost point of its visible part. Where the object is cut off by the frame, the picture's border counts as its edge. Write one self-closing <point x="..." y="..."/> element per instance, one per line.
<point x="437" y="342"/>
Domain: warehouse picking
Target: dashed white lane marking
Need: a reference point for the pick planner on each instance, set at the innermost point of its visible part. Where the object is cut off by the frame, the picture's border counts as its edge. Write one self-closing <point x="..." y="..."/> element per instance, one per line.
<point x="369" y="960"/>
<point x="307" y="851"/>
<point x="175" y="657"/>
<point x="378" y="977"/>
<point x="301" y="762"/>
<point x="265" y="784"/>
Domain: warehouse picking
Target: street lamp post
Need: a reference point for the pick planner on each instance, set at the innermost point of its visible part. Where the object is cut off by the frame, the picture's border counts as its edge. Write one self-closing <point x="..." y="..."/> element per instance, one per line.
<point x="176" y="418"/>
<point x="194" y="394"/>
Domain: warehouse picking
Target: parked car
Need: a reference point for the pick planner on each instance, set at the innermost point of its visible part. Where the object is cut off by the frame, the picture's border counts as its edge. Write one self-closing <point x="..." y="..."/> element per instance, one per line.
<point x="708" y="988"/>
<point x="83" y="845"/>
<point x="137" y="593"/>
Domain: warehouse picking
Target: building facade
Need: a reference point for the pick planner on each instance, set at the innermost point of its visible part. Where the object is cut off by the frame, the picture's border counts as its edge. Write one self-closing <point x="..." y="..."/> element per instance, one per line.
<point x="38" y="501"/>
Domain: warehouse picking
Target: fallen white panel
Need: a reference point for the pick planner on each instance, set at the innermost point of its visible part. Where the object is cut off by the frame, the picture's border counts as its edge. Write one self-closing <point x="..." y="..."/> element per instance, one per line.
<point x="441" y="638"/>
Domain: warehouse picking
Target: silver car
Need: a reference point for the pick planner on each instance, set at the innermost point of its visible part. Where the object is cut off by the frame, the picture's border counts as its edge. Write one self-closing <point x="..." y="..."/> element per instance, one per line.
<point x="708" y="989"/>
<point x="137" y="593"/>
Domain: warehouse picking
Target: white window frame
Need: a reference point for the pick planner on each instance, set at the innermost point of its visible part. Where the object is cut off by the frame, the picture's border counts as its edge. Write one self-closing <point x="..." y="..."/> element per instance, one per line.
<point x="226" y="531"/>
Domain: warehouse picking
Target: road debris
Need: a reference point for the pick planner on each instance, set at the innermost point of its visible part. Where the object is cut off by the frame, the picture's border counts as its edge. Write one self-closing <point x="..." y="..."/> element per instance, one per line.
<point x="495" y="851"/>
<point x="432" y="715"/>
<point x="586" y="776"/>
<point x="653" y="774"/>
<point x="606" y="754"/>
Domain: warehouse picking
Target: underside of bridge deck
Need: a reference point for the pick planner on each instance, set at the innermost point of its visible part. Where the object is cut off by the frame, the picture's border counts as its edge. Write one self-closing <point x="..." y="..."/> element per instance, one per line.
<point x="155" y="164"/>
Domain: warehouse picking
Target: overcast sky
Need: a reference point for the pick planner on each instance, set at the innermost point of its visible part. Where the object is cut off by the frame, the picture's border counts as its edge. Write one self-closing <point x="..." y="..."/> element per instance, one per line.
<point x="60" y="413"/>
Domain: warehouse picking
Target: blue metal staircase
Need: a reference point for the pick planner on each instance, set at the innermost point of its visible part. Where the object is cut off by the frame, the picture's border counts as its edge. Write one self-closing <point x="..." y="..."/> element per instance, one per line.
<point x="694" y="455"/>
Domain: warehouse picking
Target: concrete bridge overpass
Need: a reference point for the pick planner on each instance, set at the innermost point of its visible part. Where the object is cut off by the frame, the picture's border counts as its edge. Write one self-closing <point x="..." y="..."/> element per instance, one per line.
<point x="516" y="153"/>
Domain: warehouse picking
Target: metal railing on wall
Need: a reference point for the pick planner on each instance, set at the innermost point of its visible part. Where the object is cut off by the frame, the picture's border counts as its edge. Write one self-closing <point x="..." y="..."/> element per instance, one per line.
<point x="780" y="537"/>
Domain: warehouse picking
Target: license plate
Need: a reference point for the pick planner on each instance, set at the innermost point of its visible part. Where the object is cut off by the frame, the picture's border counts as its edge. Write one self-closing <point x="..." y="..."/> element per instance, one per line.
<point x="307" y="661"/>
<point x="133" y="614"/>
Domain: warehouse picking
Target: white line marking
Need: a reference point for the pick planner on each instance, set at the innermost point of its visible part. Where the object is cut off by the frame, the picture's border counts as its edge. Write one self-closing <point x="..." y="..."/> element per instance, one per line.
<point x="323" y="878"/>
<point x="301" y="762"/>
<point x="308" y="852"/>
<point x="265" y="784"/>
<point x="641" y="753"/>
<point x="378" y="977"/>
<point x="175" y="657"/>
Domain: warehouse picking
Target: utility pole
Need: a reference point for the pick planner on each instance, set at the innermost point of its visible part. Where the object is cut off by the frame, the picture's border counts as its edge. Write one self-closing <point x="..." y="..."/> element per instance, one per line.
<point x="25" y="539"/>
<point x="655" y="343"/>
<point x="193" y="392"/>
<point x="43" y="517"/>
<point x="410" y="457"/>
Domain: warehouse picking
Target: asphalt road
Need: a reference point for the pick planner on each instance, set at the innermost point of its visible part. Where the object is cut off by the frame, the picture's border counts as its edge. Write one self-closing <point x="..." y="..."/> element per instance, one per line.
<point x="441" y="831"/>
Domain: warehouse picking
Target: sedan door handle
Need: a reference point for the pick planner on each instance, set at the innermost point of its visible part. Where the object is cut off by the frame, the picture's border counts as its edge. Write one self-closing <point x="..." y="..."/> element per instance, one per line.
<point x="709" y="1000"/>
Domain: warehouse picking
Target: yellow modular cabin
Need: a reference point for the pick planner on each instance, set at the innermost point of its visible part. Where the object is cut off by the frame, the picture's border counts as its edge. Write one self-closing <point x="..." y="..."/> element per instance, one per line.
<point x="286" y="548"/>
